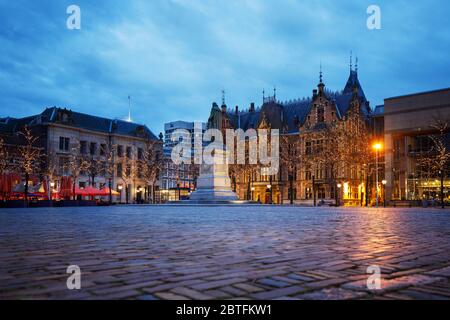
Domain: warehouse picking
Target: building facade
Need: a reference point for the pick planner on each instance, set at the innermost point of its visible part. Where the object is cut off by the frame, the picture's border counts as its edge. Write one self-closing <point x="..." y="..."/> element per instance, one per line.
<point x="318" y="137"/>
<point x="178" y="181"/>
<point x="415" y="125"/>
<point x="93" y="151"/>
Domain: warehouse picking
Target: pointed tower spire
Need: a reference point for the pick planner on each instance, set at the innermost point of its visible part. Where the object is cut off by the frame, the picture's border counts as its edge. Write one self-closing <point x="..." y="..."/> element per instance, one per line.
<point x="320" y="73"/>
<point x="264" y="95"/>
<point x="274" y="93"/>
<point x="356" y="65"/>
<point x="321" y="85"/>
<point x="129" y="109"/>
<point x="351" y="61"/>
<point x="223" y="97"/>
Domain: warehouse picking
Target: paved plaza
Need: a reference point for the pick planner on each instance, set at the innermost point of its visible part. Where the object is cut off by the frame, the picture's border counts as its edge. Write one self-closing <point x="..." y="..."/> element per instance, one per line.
<point x="256" y="252"/>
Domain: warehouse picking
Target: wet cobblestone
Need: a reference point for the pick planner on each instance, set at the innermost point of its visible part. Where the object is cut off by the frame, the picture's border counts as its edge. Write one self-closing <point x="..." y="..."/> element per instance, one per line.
<point x="258" y="252"/>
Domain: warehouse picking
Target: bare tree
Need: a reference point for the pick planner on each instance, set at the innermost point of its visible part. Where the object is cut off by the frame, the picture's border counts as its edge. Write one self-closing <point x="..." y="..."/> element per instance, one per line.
<point x="150" y="164"/>
<point x="242" y="172"/>
<point x="94" y="167"/>
<point x="77" y="164"/>
<point x="324" y="154"/>
<point x="29" y="156"/>
<point x="290" y="159"/>
<point x="437" y="159"/>
<point x="356" y="149"/>
<point x="110" y="163"/>
<point x="129" y="174"/>
<point x="50" y="170"/>
<point x="4" y="157"/>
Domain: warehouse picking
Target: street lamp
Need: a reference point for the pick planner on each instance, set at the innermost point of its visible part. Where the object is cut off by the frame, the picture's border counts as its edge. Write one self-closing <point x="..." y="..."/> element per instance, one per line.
<point x="377" y="147"/>
<point x="384" y="182"/>
<point x="338" y="202"/>
<point x="269" y="187"/>
<point x="253" y="191"/>
<point x="52" y="184"/>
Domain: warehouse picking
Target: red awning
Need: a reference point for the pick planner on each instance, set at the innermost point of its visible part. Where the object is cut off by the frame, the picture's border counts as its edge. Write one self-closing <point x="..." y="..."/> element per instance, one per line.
<point x="105" y="192"/>
<point x="91" y="191"/>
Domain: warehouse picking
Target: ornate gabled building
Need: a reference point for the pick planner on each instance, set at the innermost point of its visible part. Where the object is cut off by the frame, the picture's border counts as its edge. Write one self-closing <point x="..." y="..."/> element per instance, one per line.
<point x="314" y="154"/>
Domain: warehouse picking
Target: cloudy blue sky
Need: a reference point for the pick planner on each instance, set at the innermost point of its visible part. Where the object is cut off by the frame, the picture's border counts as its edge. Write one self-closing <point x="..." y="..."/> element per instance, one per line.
<point x="175" y="56"/>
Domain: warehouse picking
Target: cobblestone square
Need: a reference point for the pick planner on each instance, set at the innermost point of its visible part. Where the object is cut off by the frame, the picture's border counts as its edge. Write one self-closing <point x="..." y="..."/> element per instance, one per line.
<point x="224" y="252"/>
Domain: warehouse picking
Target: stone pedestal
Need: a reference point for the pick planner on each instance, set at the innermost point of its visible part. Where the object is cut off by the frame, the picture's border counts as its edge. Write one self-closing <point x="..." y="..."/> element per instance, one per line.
<point x="214" y="184"/>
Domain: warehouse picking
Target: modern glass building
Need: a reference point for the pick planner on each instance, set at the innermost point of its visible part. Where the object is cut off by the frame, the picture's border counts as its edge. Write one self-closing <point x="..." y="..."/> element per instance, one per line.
<point x="411" y="122"/>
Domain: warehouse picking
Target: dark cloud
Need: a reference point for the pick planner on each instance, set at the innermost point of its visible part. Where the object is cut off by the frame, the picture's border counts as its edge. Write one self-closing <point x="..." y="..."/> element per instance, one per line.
<point x="175" y="56"/>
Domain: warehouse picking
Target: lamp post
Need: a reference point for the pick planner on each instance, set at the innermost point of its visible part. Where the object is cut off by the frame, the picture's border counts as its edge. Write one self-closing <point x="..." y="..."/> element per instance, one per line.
<point x="314" y="189"/>
<point x="338" y="201"/>
<point x="384" y="182"/>
<point x="253" y="191"/>
<point x="269" y="187"/>
<point x="120" y="188"/>
<point x="50" y="192"/>
<point x="377" y="147"/>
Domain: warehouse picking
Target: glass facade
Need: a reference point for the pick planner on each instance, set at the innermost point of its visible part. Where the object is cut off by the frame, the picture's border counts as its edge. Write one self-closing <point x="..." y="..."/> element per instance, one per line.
<point x="415" y="176"/>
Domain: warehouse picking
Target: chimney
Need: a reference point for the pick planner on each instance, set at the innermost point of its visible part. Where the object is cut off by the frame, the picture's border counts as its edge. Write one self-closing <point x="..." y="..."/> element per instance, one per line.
<point x="252" y="107"/>
<point x="237" y="109"/>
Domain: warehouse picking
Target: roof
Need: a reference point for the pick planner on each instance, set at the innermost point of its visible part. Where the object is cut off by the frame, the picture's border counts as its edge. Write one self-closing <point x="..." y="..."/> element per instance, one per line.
<point x="379" y="111"/>
<point x="352" y="82"/>
<point x="419" y="93"/>
<point x="246" y="119"/>
<point x="295" y="113"/>
<point x="84" y="121"/>
<point x="291" y="114"/>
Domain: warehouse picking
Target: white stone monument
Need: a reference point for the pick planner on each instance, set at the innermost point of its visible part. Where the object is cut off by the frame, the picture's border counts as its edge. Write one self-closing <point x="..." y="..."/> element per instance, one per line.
<point x="214" y="184"/>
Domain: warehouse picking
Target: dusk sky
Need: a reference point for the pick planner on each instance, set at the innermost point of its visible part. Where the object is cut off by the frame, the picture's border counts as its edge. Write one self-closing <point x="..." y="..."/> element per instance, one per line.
<point x="174" y="57"/>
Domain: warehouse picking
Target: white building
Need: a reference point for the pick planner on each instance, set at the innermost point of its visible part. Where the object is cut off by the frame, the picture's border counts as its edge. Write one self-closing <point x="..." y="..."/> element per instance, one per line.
<point x="178" y="176"/>
<point x="67" y="133"/>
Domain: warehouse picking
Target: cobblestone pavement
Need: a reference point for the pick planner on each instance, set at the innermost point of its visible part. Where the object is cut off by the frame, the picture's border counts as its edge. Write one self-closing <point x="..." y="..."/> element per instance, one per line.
<point x="161" y="252"/>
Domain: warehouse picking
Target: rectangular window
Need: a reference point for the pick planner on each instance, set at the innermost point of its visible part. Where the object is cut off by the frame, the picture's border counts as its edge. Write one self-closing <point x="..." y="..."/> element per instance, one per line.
<point x="320" y="114"/>
<point x="129" y="152"/>
<point x="93" y="148"/>
<point x="120" y="151"/>
<point x="83" y="147"/>
<point x="119" y="170"/>
<point x="140" y="154"/>
<point x="139" y="171"/>
<point x="308" y="148"/>
<point x="64" y="144"/>
<point x="103" y="149"/>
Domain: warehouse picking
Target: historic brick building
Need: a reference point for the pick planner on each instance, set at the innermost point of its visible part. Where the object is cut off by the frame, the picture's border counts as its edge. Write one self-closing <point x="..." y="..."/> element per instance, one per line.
<point x="313" y="166"/>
